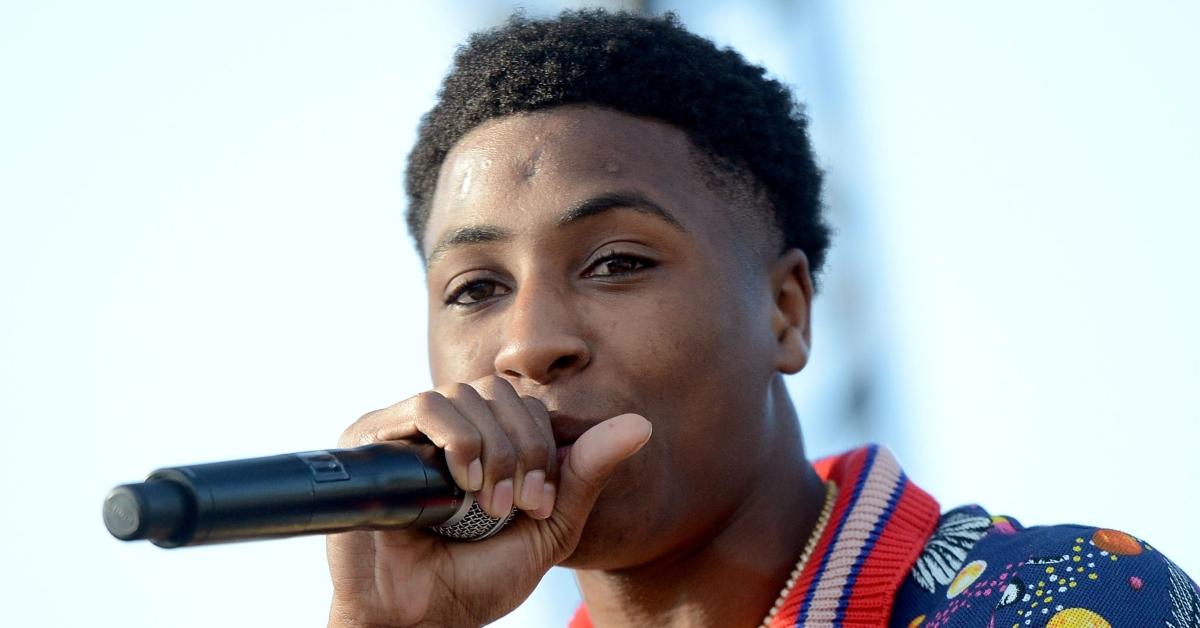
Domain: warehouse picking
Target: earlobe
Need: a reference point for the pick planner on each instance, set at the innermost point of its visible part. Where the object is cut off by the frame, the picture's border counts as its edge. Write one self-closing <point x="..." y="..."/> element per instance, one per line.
<point x="792" y="352"/>
<point x="792" y="292"/>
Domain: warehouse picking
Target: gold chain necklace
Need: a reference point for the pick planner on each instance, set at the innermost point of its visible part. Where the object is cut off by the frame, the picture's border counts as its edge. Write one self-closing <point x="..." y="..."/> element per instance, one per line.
<point x="818" y="530"/>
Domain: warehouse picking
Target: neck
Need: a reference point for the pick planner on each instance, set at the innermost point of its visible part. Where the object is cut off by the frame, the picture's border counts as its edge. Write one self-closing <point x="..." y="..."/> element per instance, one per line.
<point x="734" y="578"/>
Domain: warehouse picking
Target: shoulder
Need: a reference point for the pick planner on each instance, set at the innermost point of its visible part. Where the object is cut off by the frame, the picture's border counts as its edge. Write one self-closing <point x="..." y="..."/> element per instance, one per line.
<point x="979" y="570"/>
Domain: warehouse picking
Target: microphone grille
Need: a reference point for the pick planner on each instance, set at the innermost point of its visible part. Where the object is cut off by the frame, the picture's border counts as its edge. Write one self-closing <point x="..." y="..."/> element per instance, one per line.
<point x="471" y="523"/>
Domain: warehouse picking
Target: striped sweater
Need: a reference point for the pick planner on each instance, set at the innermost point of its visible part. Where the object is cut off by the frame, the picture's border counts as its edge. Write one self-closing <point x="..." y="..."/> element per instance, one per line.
<point x="887" y="558"/>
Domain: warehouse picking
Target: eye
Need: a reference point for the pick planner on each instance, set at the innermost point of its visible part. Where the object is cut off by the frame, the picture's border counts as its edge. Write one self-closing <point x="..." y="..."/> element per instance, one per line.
<point x="475" y="292"/>
<point x="617" y="265"/>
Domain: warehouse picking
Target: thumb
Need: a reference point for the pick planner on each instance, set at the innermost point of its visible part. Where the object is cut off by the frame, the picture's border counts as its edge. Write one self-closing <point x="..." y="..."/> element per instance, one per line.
<point x="592" y="459"/>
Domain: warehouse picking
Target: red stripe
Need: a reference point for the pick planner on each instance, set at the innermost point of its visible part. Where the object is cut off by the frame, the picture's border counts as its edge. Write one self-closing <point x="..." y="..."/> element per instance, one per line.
<point x="913" y="520"/>
<point x="844" y="471"/>
<point x="581" y="618"/>
<point x="900" y="543"/>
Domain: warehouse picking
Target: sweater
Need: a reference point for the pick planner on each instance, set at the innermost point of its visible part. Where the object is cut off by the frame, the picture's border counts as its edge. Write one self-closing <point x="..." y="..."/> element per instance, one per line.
<point x="888" y="557"/>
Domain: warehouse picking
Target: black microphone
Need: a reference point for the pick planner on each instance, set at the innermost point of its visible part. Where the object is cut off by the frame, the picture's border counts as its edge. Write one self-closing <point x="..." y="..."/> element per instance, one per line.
<point x="389" y="485"/>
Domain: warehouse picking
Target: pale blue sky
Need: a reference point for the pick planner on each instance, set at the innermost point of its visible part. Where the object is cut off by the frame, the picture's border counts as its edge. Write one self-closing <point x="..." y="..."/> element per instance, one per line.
<point x="203" y="256"/>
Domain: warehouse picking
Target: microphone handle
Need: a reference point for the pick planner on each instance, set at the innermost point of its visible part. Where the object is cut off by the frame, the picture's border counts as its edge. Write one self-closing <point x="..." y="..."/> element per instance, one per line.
<point x="391" y="485"/>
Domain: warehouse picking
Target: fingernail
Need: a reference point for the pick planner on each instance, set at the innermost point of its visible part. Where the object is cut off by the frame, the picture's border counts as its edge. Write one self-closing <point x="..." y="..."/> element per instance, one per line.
<point x="547" y="507"/>
<point x="502" y="499"/>
<point x="474" y="475"/>
<point x="531" y="490"/>
<point x="484" y="498"/>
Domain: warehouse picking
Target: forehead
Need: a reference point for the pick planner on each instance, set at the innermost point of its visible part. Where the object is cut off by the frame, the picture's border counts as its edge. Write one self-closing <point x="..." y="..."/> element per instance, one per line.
<point x="527" y="167"/>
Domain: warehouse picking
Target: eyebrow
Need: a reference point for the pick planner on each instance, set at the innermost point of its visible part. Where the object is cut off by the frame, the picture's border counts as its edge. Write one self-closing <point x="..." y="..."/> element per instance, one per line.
<point x="617" y="200"/>
<point x="590" y="208"/>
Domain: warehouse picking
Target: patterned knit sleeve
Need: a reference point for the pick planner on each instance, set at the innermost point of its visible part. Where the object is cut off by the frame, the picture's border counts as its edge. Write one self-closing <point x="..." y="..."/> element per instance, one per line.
<point x="989" y="571"/>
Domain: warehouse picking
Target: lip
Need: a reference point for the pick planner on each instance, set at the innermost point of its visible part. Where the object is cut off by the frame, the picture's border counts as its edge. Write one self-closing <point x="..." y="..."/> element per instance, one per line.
<point x="568" y="428"/>
<point x="561" y="454"/>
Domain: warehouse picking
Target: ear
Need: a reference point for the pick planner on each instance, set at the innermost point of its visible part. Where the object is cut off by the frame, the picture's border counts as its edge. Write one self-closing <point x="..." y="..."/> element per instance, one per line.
<point x="792" y="293"/>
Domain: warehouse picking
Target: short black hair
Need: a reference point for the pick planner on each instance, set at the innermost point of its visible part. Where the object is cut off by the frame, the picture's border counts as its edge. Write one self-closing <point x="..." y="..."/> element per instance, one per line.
<point x="649" y="67"/>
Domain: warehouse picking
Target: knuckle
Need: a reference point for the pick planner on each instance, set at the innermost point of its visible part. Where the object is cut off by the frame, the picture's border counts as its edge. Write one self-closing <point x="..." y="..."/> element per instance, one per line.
<point x="560" y="537"/>
<point x="536" y="407"/>
<point x="467" y="442"/>
<point x="355" y="437"/>
<point x="347" y="439"/>
<point x="359" y="432"/>
<point x="501" y="460"/>
<point x="364" y="418"/>
<point x="425" y="400"/>
<point x="534" y="452"/>
<point x="496" y="385"/>
<point x="460" y="390"/>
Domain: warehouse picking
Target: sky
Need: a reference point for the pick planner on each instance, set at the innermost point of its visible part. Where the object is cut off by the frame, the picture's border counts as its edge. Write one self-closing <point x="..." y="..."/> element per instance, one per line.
<point x="203" y="256"/>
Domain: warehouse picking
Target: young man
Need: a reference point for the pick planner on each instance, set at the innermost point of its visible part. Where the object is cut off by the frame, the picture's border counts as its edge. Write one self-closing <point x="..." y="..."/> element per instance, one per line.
<point x="622" y="229"/>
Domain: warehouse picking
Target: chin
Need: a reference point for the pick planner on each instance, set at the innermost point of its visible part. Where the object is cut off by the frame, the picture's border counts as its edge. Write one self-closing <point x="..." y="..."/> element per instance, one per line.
<point x="616" y="536"/>
<point x="600" y="553"/>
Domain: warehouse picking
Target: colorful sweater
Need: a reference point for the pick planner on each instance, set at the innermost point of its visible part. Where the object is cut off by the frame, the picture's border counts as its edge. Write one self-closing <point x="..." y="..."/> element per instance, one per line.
<point x="886" y="558"/>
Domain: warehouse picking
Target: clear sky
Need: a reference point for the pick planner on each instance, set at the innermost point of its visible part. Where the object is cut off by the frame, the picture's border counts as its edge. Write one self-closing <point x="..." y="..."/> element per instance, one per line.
<point x="203" y="256"/>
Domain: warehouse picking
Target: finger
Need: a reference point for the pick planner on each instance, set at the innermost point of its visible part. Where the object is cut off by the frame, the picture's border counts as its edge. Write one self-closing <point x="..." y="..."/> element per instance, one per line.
<point x="427" y="414"/>
<point x="498" y="455"/>
<point x="541" y="418"/>
<point x="536" y="546"/>
<point x="534" y="447"/>
<point x="345" y="549"/>
<point x="546" y="501"/>
<point x="593" y="458"/>
<point x="376" y="426"/>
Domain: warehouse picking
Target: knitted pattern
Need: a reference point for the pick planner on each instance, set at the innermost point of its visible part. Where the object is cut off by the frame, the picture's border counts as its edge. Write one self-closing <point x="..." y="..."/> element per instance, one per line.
<point x="886" y="559"/>
<point x="879" y="526"/>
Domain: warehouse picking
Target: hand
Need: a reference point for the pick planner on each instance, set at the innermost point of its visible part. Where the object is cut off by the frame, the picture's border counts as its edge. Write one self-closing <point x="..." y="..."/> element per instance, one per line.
<point x="501" y="445"/>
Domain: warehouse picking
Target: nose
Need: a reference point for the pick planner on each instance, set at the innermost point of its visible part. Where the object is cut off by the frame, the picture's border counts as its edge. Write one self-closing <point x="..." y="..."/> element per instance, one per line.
<point x="541" y="339"/>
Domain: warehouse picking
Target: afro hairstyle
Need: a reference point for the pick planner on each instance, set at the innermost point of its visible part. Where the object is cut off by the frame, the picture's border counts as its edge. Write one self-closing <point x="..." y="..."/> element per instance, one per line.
<point x="744" y="122"/>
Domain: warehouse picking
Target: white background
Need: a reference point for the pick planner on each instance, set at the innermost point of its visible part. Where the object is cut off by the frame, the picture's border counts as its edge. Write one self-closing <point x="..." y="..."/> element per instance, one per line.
<point x="203" y="256"/>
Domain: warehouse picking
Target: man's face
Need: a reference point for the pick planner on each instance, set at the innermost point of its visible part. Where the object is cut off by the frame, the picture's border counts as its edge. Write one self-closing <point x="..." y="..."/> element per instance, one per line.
<point x="579" y="254"/>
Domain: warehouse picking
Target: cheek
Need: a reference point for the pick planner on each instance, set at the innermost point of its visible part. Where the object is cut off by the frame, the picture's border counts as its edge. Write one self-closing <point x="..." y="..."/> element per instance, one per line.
<point x="671" y="339"/>
<point x="455" y="356"/>
<point x="700" y="358"/>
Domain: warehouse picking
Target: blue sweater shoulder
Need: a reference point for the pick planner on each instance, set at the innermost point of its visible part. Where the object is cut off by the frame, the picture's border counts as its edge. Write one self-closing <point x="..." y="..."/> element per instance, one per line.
<point x="979" y="570"/>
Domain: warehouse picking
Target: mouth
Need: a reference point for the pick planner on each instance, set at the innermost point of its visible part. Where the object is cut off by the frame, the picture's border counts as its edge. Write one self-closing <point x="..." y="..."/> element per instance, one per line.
<point x="561" y="453"/>
<point x="568" y="428"/>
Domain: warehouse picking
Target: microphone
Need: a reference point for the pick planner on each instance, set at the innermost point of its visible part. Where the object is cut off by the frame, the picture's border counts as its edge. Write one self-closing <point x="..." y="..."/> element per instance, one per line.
<point x="382" y="486"/>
